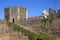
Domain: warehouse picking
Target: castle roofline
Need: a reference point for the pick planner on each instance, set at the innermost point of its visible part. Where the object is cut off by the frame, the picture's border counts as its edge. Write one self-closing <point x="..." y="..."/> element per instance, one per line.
<point x="15" y="6"/>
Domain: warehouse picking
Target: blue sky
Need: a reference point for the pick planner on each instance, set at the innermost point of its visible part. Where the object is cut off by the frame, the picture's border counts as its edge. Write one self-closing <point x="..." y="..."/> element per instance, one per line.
<point x="35" y="7"/>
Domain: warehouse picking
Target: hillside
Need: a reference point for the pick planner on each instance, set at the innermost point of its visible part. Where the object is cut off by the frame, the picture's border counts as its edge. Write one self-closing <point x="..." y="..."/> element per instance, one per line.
<point x="7" y="33"/>
<point x="36" y="26"/>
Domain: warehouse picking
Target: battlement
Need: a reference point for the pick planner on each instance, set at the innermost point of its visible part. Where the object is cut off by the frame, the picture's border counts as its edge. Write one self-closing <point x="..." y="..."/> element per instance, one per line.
<point x="34" y="18"/>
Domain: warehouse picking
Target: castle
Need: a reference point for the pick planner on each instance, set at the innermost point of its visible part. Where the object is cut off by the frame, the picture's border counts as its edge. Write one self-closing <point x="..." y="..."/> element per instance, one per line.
<point x="18" y="13"/>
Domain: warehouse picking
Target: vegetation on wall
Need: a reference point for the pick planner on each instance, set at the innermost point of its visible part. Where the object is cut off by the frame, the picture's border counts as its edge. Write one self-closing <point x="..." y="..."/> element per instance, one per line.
<point x="51" y="20"/>
<point x="45" y="36"/>
<point x="47" y="20"/>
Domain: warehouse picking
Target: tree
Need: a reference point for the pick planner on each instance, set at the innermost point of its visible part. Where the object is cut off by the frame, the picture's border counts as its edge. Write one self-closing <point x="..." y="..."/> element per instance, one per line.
<point x="45" y="36"/>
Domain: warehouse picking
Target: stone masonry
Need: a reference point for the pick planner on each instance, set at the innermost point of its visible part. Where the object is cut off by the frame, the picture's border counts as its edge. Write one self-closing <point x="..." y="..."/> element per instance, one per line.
<point x="17" y="13"/>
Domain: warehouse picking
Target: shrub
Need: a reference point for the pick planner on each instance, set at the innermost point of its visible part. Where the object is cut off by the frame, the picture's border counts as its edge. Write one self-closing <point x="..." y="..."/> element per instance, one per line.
<point x="9" y="24"/>
<point x="31" y="36"/>
<point x="16" y="27"/>
<point x="45" y="36"/>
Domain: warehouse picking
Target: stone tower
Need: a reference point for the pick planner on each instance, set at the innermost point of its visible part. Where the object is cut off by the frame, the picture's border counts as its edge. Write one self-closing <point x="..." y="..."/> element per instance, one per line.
<point x="16" y="13"/>
<point x="58" y="12"/>
<point x="52" y="13"/>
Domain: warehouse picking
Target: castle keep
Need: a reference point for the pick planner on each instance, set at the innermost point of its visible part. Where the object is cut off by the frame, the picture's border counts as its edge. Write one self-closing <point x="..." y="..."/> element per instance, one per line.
<point x="16" y="13"/>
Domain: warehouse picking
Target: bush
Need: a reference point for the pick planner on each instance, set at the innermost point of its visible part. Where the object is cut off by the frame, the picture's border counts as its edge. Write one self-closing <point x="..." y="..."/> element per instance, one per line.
<point x="9" y="24"/>
<point x="17" y="28"/>
<point x="45" y="36"/>
<point x="31" y="36"/>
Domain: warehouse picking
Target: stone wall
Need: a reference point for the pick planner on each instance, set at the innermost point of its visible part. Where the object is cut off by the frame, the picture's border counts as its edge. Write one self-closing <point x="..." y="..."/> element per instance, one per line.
<point x="17" y="13"/>
<point x="37" y="26"/>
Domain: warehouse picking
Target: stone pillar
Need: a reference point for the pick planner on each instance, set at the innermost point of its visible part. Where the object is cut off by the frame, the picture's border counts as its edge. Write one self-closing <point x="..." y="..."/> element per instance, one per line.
<point x="26" y="14"/>
<point x="18" y="13"/>
<point x="10" y="19"/>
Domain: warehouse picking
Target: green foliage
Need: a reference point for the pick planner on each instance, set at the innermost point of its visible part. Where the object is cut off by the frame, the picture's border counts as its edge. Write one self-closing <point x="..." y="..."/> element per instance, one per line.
<point x="45" y="20"/>
<point x="9" y="24"/>
<point x="51" y="19"/>
<point x="31" y="35"/>
<point x="45" y="36"/>
<point x="17" y="28"/>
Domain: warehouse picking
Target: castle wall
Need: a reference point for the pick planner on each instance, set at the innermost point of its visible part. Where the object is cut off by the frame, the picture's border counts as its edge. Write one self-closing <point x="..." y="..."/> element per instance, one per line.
<point x="52" y="13"/>
<point x="13" y="14"/>
<point x="17" y="13"/>
<point x="7" y="14"/>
